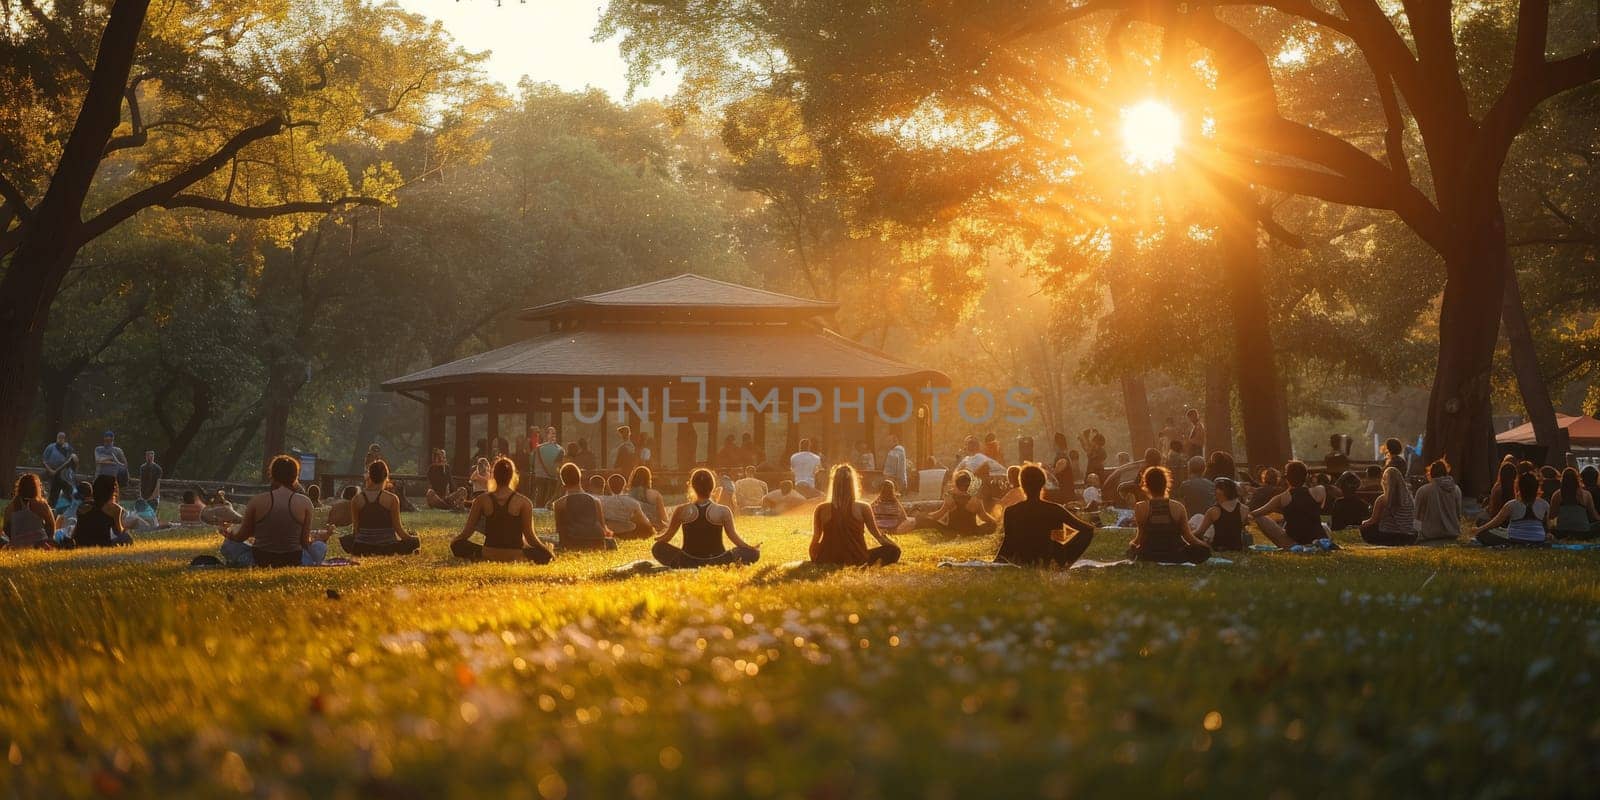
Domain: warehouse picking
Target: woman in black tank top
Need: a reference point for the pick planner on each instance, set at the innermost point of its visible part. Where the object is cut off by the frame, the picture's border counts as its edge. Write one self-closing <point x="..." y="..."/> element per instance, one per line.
<point x="1301" y="507"/>
<point x="704" y="523"/>
<point x="378" y="531"/>
<point x="1163" y="525"/>
<point x="507" y="522"/>
<point x="1225" y="525"/>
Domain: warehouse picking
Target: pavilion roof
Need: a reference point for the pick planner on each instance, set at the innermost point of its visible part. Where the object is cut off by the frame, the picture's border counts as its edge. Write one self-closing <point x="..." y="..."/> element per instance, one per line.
<point x="685" y="295"/>
<point x="595" y="354"/>
<point x="1581" y="432"/>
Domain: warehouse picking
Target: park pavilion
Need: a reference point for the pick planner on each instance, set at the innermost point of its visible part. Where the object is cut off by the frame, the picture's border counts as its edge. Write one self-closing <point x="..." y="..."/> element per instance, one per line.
<point x="662" y="356"/>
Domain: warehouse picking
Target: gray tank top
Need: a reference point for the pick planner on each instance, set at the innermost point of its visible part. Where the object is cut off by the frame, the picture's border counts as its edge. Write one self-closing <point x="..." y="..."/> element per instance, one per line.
<point x="580" y="520"/>
<point x="278" y="531"/>
<point x="25" y="527"/>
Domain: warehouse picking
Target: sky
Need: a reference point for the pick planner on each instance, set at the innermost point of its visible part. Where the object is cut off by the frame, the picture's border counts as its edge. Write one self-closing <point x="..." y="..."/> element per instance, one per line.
<point x="547" y="40"/>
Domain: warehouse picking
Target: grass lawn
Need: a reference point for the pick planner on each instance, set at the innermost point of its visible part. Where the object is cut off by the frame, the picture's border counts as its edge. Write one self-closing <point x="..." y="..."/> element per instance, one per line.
<point x="1362" y="673"/>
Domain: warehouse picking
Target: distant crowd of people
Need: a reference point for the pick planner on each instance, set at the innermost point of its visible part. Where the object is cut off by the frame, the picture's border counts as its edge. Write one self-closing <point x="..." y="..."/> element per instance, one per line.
<point x="1182" y="505"/>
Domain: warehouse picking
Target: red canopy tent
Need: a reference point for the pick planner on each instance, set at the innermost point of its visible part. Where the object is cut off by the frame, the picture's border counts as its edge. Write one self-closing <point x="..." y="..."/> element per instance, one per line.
<point x="1583" y="432"/>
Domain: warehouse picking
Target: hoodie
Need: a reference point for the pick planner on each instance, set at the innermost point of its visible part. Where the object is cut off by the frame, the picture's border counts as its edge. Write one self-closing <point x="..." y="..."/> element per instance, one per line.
<point x="1439" y="510"/>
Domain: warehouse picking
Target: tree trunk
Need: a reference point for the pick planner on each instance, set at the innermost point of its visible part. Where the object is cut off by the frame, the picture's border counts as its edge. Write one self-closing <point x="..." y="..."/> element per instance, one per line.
<point x="375" y="410"/>
<point x="1136" y="402"/>
<point x="54" y="389"/>
<point x="1460" y="421"/>
<point x="1219" y="408"/>
<point x="285" y="377"/>
<point x="1530" y="379"/>
<point x="52" y="237"/>
<point x="235" y="453"/>
<point x="1261" y="402"/>
<point x="180" y="438"/>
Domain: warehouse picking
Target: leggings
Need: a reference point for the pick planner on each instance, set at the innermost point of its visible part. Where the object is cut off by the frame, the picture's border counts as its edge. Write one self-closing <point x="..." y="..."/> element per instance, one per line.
<point x="1061" y="554"/>
<point x="1591" y="533"/>
<point x="1497" y="537"/>
<point x="673" y="556"/>
<point x="400" y="547"/>
<point x="981" y="529"/>
<point x="241" y="554"/>
<point x="472" y="551"/>
<point x="1190" y="554"/>
<point x="880" y="556"/>
<point x="1372" y="535"/>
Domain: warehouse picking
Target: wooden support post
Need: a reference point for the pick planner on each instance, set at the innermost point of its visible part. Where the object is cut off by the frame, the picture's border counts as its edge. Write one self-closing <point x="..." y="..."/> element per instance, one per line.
<point x="760" y="434"/>
<point x="432" y="429"/>
<point x="711" y="431"/>
<point x="463" y="420"/>
<point x="492" y="424"/>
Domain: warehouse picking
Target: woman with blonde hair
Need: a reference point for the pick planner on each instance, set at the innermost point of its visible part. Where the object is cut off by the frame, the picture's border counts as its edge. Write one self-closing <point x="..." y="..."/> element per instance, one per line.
<point x="1394" y="514"/>
<point x="506" y="517"/>
<point x="839" y="527"/>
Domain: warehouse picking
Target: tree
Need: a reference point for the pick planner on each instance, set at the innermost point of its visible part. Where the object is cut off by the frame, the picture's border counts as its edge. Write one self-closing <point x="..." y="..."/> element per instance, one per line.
<point x="858" y="72"/>
<point x="232" y="109"/>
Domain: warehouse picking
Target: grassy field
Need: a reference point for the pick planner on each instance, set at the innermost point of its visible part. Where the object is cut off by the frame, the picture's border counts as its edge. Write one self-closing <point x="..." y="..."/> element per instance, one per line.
<point x="1362" y="673"/>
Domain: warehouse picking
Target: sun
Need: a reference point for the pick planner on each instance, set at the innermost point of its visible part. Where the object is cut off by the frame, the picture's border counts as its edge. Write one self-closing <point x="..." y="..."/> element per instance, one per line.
<point x="1151" y="132"/>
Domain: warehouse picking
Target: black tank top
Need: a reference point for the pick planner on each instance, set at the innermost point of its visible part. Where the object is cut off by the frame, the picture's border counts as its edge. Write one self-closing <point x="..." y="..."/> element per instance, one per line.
<point x="1162" y="536"/>
<point x="702" y="538"/>
<point x="501" y="528"/>
<point x="1229" y="528"/>
<point x="373" y="515"/>
<point x="1302" y="517"/>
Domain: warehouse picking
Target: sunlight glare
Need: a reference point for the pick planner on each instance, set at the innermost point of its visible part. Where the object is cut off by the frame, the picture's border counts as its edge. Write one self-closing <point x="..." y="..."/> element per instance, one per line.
<point x="1151" y="132"/>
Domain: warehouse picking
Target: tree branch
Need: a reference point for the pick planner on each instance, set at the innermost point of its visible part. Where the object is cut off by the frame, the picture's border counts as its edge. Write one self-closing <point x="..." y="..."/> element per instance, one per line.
<point x="265" y="212"/>
<point x="15" y="199"/>
<point x="165" y="190"/>
<point x="139" y="136"/>
<point x="59" y="38"/>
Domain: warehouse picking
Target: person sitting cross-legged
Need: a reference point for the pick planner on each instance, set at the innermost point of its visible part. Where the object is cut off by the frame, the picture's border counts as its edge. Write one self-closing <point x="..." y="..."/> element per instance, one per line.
<point x="748" y="491"/>
<point x="276" y="531"/>
<point x="962" y="513"/>
<point x="704" y="524"/>
<point x="376" y="514"/>
<point x="580" y="519"/>
<point x="506" y="517"/>
<point x="1301" y="506"/>
<point x="220" y="511"/>
<point x="103" y="522"/>
<point x="839" y="527"/>
<point x="1162" y="525"/>
<point x="1394" y="514"/>
<point x="1438" y="506"/>
<point x="783" y="499"/>
<point x="1225" y="520"/>
<point x="639" y="488"/>
<point x="191" y="509"/>
<point x="1033" y="525"/>
<point x="1349" y="510"/>
<point x="29" y="522"/>
<point x="439" y="496"/>
<point x="1520" y="521"/>
<point x="1575" y="515"/>
<point x="624" y="515"/>
<point x="889" y="513"/>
